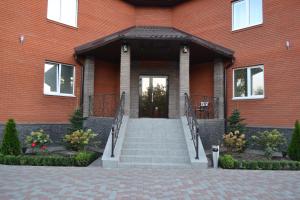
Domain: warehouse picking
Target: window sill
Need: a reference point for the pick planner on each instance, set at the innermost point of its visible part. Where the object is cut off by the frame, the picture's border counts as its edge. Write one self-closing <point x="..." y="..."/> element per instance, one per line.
<point x="247" y="28"/>
<point x="60" y="95"/>
<point x="248" y="98"/>
<point x="62" y="24"/>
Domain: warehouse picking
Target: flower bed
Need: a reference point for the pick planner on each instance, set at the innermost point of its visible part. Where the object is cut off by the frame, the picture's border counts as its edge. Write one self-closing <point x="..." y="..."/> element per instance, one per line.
<point x="81" y="159"/>
<point x="228" y="162"/>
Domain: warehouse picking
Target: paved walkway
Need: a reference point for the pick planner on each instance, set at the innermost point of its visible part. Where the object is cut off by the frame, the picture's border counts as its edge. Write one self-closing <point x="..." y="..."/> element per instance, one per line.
<point x="96" y="183"/>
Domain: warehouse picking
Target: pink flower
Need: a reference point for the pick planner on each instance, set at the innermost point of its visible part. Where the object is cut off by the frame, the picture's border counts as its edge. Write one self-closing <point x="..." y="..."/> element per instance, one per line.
<point x="33" y="145"/>
<point x="43" y="147"/>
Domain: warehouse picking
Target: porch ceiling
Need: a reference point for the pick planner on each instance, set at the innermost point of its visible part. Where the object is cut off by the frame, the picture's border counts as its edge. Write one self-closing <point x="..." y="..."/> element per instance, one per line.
<point x="165" y="3"/>
<point x="153" y="43"/>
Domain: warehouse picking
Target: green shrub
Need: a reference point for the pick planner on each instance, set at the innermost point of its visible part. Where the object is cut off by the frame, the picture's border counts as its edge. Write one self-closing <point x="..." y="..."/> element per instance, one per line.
<point x="81" y="159"/>
<point x="294" y="146"/>
<point x="269" y="141"/>
<point x="10" y="143"/>
<point x="84" y="158"/>
<point x="76" y="120"/>
<point x="234" y="122"/>
<point x="227" y="161"/>
<point x="79" y="139"/>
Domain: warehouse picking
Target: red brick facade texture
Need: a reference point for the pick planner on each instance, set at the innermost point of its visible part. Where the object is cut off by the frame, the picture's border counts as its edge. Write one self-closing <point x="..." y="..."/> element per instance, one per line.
<point x="22" y="66"/>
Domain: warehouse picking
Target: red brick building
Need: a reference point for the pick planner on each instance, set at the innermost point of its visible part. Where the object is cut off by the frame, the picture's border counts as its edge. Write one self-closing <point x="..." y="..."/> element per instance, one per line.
<point x="57" y="56"/>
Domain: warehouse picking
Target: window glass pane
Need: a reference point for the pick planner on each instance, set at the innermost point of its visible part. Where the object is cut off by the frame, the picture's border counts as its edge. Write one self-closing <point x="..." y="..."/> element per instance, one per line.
<point x="240" y="83"/>
<point x="69" y="12"/>
<point x="256" y="12"/>
<point x="51" y="74"/>
<point x="53" y="10"/>
<point x="240" y="18"/>
<point x="66" y="79"/>
<point x="257" y="81"/>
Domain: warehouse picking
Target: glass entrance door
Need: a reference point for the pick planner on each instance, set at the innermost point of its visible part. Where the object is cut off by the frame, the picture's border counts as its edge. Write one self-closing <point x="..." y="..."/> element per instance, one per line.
<point x="153" y="97"/>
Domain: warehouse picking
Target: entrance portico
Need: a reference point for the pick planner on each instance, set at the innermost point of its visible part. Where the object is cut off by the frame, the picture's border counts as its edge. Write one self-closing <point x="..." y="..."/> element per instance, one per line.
<point x="152" y="52"/>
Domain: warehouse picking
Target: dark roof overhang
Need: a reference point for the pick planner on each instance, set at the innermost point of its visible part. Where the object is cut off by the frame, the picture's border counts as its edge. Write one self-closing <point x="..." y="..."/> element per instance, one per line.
<point x="163" y="3"/>
<point x="168" y="35"/>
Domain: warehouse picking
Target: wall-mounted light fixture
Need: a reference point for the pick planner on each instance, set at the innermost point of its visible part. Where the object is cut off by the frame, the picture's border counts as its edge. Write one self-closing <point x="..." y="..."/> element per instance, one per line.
<point x="22" y="39"/>
<point x="125" y="48"/>
<point x="288" y="44"/>
<point x="185" y="49"/>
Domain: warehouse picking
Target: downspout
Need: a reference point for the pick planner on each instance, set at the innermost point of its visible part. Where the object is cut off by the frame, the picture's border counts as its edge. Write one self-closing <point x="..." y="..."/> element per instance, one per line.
<point x="82" y="80"/>
<point x="230" y="64"/>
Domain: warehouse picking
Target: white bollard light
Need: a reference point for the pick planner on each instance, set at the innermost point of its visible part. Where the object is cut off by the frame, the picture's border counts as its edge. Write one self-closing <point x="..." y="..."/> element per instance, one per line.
<point x="215" y="155"/>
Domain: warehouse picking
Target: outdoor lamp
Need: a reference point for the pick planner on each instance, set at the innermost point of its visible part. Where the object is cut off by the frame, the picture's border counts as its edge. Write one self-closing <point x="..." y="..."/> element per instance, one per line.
<point x="125" y="48"/>
<point x="185" y="49"/>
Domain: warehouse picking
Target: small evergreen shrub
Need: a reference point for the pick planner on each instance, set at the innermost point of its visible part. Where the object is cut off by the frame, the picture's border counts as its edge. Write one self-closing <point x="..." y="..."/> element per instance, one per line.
<point x="234" y="122"/>
<point x="269" y="141"/>
<point x="76" y="120"/>
<point x="294" y="146"/>
<point x="10" y="143"/>
<point x="226" y="162"/>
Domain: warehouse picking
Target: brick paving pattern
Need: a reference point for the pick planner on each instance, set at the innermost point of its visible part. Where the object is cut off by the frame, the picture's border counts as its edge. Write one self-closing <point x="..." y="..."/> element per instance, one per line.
<point x="97" y="183"/>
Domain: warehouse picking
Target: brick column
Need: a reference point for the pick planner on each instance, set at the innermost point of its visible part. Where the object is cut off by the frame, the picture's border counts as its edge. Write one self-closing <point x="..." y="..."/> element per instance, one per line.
<point x="184" y="77"/>
<point x="125" y="78"/>
<point x="88" y="88"/>
<point x="219" y="85"/>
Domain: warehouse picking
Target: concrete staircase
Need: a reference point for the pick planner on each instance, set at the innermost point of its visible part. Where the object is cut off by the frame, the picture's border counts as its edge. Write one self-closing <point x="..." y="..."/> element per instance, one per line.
<point x="154" y="143"/>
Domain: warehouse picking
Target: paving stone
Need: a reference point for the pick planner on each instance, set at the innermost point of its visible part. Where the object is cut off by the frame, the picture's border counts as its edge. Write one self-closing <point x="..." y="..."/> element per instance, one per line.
<point x="27" y="182"/>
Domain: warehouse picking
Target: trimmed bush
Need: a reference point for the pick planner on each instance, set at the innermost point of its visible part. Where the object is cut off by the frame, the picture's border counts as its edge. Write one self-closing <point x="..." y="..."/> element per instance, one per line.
<point x="10" y="143"/>
<point x="294" y="147"/>
<point x="257" y="164"/>
<point x="226" y="161"/>
<point x="84" y="159"/>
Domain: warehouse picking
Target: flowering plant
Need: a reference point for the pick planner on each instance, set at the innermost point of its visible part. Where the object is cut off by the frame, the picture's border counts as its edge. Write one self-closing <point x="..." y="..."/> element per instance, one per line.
<point x="234" y="141"/>
<point x="79" y="139"/>
<point x="38" y="141"/>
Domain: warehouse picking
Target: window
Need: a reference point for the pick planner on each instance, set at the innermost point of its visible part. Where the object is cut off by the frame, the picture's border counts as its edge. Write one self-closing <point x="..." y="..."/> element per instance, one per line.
<point x="246" y="13"/>
<point x="248" y="82"/>
<point x="59" y="79"/>
<point x="64" y="11"/>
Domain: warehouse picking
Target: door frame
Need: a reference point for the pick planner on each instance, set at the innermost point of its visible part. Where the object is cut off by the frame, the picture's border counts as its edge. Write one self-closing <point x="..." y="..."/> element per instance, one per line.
<point x="167" y="88"/>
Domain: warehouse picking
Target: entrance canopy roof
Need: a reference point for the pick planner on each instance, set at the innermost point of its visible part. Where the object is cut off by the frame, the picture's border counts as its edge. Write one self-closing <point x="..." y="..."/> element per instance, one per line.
<point x="161" y="43"/>
<point x="155" y="2"/>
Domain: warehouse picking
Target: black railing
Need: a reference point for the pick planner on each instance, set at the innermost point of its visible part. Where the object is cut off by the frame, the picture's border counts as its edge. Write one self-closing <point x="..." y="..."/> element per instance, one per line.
<point x="103" y="105"/>
<point x="117" y="123"/>
<point x="205" y="107"/>
<point x="193" y="124"/>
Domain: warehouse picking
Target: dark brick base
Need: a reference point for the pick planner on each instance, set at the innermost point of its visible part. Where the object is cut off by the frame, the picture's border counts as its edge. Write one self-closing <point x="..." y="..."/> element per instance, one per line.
<point x="287" y="132"/>
<point x="56" y="131"/>
<point x="211" y="132"/>
<point x="101" y="126"/>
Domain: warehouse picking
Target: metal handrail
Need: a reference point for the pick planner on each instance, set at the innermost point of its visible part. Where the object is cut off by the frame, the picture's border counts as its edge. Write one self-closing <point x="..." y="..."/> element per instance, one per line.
<point x="193" y="123"/>
<point x="117" y="123"/>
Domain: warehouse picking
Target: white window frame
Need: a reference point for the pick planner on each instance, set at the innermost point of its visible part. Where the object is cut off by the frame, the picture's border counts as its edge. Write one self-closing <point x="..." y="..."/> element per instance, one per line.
<point x="60" y="20"/>
<point x="248" y="14"/>
<point x="58" y="79"/>
<point x="249" y="83"/>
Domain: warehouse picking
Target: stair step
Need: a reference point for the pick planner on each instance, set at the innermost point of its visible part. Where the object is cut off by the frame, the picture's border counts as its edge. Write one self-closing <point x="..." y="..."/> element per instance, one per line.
<point x="154" y="152"/>
<point x="154" y="159"/>
<point x="155" y="139"/>
<point x="154" y="165"/>
<point x="147" y="145"/>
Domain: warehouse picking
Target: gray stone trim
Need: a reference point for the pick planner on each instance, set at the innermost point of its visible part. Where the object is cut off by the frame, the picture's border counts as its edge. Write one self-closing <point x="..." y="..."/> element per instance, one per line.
<point x="184" y="77"/>
<point x="125" y="65"/>
<point x="88" y="88"/>
<point x="219" y="86"/>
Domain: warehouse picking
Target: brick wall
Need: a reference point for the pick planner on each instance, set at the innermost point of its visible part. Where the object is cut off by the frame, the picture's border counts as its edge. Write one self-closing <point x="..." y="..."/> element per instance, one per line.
<point x="264" y="44"/>
<point x="22" y="67"/>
